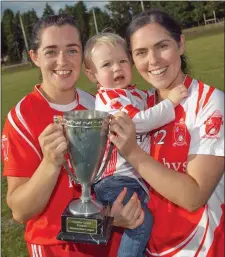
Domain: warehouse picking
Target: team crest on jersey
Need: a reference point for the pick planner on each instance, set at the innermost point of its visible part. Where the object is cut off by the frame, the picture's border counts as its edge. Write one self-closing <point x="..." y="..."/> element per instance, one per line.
<point x="179" y="133"/>
<point x="213" y="125"/>
<point x="5" y="147"/>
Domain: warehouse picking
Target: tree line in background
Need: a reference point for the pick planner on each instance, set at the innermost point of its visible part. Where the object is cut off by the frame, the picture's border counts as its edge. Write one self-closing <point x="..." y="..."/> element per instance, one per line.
<point x="117" y="15"/>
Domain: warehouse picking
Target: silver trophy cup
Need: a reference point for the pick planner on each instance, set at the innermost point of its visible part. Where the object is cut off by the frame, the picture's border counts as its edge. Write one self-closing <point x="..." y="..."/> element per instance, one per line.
<point x="87" y="135"/>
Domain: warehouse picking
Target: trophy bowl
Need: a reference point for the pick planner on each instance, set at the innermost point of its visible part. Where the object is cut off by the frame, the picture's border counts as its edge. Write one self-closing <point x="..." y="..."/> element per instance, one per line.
<point x="86" y="219"/>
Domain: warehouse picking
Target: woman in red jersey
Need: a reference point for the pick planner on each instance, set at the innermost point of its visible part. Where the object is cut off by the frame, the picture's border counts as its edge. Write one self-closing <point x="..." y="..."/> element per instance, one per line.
<point x="186" y="168"/>
<point x="39" y="188"/>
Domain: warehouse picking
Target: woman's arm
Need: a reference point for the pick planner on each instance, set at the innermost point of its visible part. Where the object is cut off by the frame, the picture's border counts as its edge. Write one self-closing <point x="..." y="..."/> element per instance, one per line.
<point x="190" y="190"/>
<point x="27" y="197"/>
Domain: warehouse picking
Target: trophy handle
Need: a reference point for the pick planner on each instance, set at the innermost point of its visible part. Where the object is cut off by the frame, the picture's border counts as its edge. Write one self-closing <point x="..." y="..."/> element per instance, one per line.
<point x="106" y="162"/>
<point x="58" y="119"/>
<point x="69" y="172"/>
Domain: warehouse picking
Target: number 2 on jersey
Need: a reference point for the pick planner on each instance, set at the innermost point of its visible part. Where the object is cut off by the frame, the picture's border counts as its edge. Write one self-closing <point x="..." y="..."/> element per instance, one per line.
<point x="159" y="137"/>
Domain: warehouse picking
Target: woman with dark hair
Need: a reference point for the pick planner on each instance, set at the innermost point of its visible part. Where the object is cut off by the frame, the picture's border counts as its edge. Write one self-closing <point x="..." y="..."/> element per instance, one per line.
<point x="39" y="188"/>
<point x="186" y="163"/>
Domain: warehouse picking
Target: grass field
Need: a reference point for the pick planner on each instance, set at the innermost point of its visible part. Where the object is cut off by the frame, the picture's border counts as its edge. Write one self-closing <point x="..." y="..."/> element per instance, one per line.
<point x="206" y="58"/>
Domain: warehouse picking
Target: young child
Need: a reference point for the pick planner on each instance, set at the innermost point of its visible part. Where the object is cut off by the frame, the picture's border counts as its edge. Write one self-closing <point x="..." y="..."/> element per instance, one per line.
<point x="108" y="63"/>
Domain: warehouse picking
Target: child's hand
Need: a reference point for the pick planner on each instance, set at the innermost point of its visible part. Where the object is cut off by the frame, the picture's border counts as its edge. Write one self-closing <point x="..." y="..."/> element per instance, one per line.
<point x="177" y="94"/>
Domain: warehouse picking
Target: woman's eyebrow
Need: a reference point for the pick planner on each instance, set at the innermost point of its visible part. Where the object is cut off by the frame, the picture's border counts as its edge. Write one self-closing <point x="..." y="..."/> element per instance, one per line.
<point x="69" y="45"/>
<point x="156" y="44"/>
<point x="161" y="41"/>
<point x="49" y="47"/>
<point x="55" y="46"/>
<point x="140" y="49"/>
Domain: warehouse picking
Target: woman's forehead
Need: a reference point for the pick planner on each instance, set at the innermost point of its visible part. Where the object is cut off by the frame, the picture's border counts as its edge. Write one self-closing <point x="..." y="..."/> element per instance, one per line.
<point x="59" y="35"/>
<point x="150" y="34"/>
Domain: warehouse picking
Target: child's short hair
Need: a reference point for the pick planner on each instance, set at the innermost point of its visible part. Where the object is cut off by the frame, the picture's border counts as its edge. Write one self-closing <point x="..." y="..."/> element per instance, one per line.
<point x="103" y="38"/>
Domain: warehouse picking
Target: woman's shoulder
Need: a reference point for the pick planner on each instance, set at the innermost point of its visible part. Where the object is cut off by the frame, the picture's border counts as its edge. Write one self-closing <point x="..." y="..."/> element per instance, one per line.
<point x="198" y="86"/>
<point x="29" y="110"/>
<point x="203" y="98"/>
<point x="203" y="92"/>
<point x="26" y="103"/>
<point x="25" y="113"/>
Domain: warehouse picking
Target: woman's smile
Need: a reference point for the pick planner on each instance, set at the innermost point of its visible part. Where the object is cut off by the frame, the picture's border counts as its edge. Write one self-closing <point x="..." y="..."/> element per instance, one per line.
<point x="158" y="72"/>
<point x="62" y="72"/>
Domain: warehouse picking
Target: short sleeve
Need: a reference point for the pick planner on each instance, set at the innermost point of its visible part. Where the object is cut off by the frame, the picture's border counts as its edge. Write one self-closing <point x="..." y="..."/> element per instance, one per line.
<point x="20" y="154"/>
<point x="207" y="134"/>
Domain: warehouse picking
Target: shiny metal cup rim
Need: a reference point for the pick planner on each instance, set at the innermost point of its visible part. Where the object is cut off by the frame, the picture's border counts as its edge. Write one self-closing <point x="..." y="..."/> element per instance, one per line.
<point x="86" y="114"/>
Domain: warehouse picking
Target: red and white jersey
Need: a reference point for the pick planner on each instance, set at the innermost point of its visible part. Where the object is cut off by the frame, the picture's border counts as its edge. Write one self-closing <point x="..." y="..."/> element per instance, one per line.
<point x="134" y="102"/>
<point x="22" y="155"/>
<point x="198" y="129"/>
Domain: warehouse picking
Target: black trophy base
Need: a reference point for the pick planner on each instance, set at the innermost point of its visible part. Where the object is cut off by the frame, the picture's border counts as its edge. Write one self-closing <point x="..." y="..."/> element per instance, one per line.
<point x="94" y="229"/>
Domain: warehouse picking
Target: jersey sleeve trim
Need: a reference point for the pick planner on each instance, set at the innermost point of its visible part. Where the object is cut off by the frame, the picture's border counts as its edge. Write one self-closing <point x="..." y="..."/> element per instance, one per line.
<point x="209" y="93"/>
<point x="22" y="135"/>
<point x="201" y="87"/>
<point x="20" y="117"/>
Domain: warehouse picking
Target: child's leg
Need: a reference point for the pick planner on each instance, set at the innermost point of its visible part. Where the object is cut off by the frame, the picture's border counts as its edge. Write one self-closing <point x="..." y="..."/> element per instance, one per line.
<point x="134" y="241"/>
<point x="108" y="189"/>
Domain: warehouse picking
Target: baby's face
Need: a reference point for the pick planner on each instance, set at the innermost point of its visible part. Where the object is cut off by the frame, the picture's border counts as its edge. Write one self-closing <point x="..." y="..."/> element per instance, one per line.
<point x="111" y="66"/>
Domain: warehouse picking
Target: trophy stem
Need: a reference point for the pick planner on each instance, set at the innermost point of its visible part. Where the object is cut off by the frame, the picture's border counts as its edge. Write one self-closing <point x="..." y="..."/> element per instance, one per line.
<point x="85" y="205"/>
<point x="86" y="193"/>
